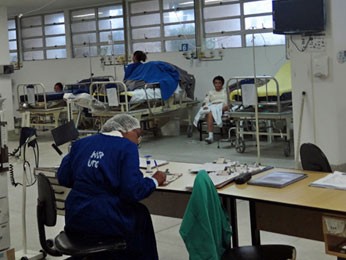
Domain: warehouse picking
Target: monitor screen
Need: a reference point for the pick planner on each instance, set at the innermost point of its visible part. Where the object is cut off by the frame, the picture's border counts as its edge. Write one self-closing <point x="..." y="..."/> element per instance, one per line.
<point x="298" y="16"/>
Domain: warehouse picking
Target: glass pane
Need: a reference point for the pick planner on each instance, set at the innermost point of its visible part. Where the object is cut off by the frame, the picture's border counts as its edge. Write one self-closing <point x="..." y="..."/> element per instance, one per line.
<point x="54" y="18"/>
<point x="233" y="41"/>
<point x="12" y="35"/>
<point x="13" y="57"/>
<point x="264" y="39"/>
<point x="108" y="11"/>
<point x="222" y="26"/>
<point x="144" y="6"/>
<point x="32" y="32"/>
<point x="213" y="2"/>
<point x="179" y="16"/>
<point x="56" y="41"/>
<point x="84" y="14"/>
<point x="11" y="24"/>
<point x="117" y="49"/>
<point x="115" y="36"/>
<point x="80" y="52"/>
<point x="142" y="20"/>
<point x="31" y="21"/>
<point x="174" y="4"/>
<point x="221" y="11"/>
<point x="259" y="22"/>
<point x="180" y="29"/>
<point x="33" y="43"/>
<point x="146" y="33"/>
<point x="107" y="24"/>
<point x="258" y="7"/>
<point x="33" y="55"/>
<point x="12" y="45"/>
<point x="175" y="45"/>
<point x="84" y="38"/>
<point x="56" y="54"/>
<point x="54" y="29"/>
<point x="148" y="46"/>
<point x="83" y="27"/>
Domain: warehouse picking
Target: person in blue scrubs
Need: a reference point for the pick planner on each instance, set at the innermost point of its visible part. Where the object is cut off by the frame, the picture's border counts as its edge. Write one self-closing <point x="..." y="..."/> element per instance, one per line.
<point x="106" y="184"/>
<point x="138" y="57"/>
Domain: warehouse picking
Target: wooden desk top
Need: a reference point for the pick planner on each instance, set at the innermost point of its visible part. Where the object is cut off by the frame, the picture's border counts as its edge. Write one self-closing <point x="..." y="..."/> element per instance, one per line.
<point x="296" y="194"/>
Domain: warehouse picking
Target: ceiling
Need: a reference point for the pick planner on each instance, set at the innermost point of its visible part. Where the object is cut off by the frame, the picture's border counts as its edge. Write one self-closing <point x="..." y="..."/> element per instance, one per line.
<point x="30" y="7"/>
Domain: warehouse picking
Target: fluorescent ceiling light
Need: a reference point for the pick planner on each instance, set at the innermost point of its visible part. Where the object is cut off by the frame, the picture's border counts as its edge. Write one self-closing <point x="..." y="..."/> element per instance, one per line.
<point x="85" y="15"/>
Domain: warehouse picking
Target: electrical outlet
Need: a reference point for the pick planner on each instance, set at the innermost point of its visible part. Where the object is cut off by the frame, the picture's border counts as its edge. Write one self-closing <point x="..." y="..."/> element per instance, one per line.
<point x="341" y="56"/>
<point x="314" y="43"/>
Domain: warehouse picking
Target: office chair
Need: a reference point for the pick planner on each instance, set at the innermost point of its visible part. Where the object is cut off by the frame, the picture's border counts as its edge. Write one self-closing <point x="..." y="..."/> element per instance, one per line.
<point x="206" y="231"/>
<point x="63" y="244"/>
<point x="313" y="159"/>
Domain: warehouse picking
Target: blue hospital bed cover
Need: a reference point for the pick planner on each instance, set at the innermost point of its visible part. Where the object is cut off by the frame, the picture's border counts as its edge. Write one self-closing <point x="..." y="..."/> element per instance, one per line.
<point x="158" y="71"/>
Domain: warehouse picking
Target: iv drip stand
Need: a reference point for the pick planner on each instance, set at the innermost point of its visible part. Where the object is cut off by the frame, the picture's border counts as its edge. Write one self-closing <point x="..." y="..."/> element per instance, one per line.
<point x="26" y="254"/>
<point x="256" y="105"/>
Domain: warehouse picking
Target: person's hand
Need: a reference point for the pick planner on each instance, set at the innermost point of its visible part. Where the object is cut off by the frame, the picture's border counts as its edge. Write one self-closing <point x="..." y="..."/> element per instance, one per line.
<point x="160" y="177"/>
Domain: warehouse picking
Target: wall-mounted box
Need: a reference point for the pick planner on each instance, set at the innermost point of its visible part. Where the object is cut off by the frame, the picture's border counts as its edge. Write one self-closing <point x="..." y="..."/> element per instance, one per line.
<point x="334" y="231"/>
<point x="6" y="69"/>
<point x="4" y="236"/>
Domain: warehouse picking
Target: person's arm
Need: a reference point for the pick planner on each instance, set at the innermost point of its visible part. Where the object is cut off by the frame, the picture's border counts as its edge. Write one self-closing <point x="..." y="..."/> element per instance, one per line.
<point x="133" y="186"/>
<point x="206" y="100"/>
<point x="65" y="173"/>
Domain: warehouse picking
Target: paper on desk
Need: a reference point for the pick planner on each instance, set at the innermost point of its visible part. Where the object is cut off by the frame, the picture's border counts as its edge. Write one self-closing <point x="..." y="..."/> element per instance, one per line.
<point x="336" y="180"/>
<point x="143" y="163"/>
<point x="219" y="179"/>
<point x="209" y="167"/>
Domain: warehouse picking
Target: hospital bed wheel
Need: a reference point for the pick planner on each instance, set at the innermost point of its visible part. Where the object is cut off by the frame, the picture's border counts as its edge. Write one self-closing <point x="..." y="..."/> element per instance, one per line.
<point x="287" y="149"/>
<point x="240" y="145"/>
<point x="189" y="131"/>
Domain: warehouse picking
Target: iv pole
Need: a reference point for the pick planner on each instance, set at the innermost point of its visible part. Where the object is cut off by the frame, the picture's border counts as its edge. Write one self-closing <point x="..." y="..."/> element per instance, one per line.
<point x="256" y="105"/>
<point x="25" y="253"/>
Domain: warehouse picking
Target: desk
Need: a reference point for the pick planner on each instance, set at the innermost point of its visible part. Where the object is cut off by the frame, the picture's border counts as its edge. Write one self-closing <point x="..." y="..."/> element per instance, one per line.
<point x="294" y="210"/>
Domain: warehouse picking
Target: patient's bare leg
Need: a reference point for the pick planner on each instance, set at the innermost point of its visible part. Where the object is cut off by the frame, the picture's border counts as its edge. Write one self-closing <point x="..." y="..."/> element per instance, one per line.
<point x="210" y="125"/>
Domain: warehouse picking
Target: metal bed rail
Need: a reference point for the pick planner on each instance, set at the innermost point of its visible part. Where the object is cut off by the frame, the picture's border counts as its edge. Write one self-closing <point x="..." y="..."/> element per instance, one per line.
<point x="260" y="81"/>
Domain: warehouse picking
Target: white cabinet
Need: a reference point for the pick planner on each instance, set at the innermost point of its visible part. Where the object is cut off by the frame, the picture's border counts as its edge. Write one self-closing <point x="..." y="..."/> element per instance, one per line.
<point x="4" y="213"/>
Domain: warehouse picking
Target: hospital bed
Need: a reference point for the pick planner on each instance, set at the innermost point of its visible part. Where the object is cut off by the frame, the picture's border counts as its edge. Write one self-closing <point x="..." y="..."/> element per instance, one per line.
<point x="166" y="94"/>
<point x="146" y="104"/>
<point x="274" y="101"/>
<point x="40" y="108"/>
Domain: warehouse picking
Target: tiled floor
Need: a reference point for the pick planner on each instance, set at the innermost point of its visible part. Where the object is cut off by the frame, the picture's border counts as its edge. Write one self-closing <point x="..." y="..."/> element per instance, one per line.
<point x="170" y="245"/>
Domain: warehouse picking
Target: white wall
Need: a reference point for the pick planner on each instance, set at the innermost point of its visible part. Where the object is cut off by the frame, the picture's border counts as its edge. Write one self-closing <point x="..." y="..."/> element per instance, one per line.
<point x="5" y="80"/>
<point x="235" y="62"/>
<point x="324" y="117"/>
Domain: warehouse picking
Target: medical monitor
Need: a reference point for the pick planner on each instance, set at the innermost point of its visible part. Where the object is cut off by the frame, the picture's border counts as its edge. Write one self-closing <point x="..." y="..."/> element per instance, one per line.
<point x="298" y="16"/>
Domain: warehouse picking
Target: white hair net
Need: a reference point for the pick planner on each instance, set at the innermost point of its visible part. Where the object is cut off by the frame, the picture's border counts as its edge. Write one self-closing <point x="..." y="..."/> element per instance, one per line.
<point x="122" y="122"/>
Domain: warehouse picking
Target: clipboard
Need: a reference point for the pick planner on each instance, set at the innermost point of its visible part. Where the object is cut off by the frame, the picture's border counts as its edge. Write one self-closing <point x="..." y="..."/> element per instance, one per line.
<point x="278" y="179"/>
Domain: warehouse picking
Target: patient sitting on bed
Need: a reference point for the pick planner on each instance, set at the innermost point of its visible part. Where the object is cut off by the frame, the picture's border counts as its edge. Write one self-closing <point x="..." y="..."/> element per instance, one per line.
<point x="138" y="57"/>
<point x="213" y="105"/>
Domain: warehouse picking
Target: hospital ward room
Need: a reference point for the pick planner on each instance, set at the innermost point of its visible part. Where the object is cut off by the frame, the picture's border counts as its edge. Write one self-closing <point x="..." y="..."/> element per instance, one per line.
<point x="172" y="130"/>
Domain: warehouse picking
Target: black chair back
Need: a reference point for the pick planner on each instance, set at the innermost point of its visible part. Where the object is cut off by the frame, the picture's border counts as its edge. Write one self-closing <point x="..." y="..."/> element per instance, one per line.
<point x="64" y="244"/>
<point x="46" y="213"/>
<point x="313" y="159"/>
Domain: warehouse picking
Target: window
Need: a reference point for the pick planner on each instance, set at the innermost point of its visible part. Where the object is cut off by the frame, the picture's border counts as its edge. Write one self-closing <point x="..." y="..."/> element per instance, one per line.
<point x="98" y="31"/>
<point x="43" y="37"/>
<point x="162" y="25"/>
<point x="235" y="23"/>
<point x="12" y="40"/>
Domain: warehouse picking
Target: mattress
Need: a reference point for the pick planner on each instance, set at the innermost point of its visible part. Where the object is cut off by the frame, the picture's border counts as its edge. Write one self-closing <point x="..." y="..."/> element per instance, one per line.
<point x="50" y="96"/>
<point x="268" y="92"/>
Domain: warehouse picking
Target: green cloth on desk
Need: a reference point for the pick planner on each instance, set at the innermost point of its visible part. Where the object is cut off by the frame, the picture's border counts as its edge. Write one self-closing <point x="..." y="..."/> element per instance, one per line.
<point x="205" y="228"/>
